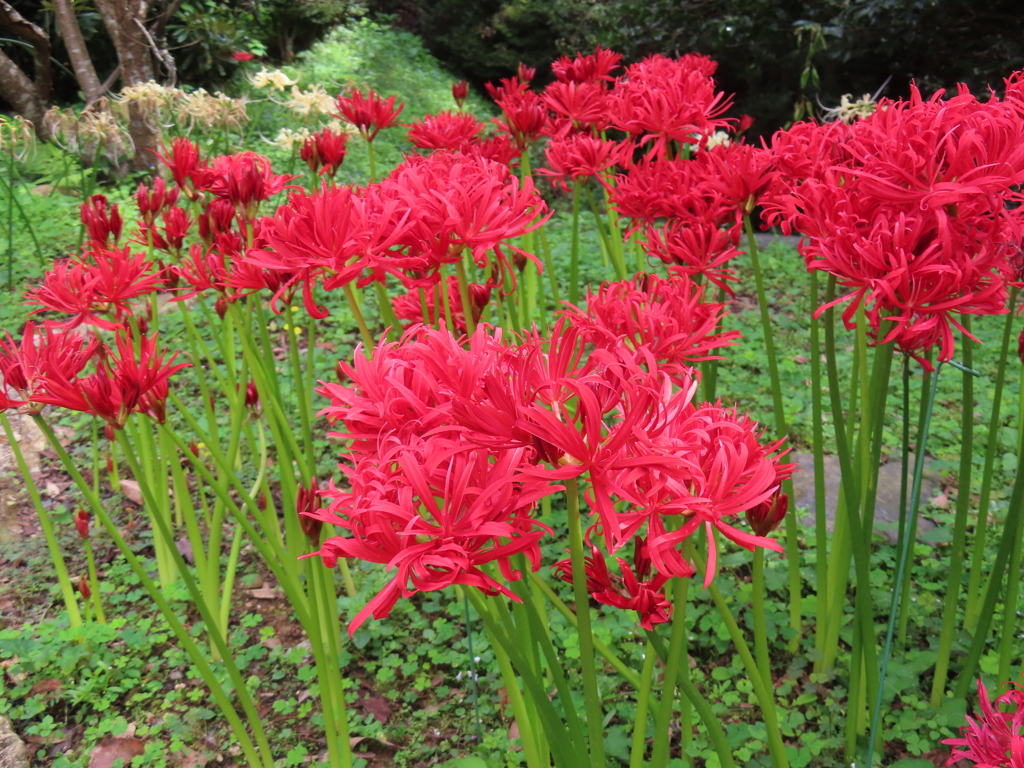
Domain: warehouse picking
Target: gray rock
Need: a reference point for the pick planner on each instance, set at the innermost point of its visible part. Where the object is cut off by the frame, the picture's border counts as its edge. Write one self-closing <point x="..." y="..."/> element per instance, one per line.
<point x="12" y="749"/>
<point x="887" y="505"/>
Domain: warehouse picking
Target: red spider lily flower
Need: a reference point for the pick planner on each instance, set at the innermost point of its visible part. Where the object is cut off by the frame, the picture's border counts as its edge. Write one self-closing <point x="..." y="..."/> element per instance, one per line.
<point x="726" y="472"/>
<point x="252" y="398"/>
<point x="245" y="179"/>
<point x="525" y="117"/>
<point x="996" y="738"/>
<point x="102" y="221"/>
<point x="218" y="217"/>
<point x="324" y="150"/>
<point x="594" y="68"/>
<point x="147" y="236"/>
<point x="445" y="130"/>
<point x="669" y="318"/>
<point x="695" y="248"/>
<point x="125" y="382"/>
<point x="153" y="201"/>
<point x="81" y="518"/>
<point x="580" y="157"/>
<point x="768" y="515"/>
<point x="437" y="515"/>
<point x="655" y="189"/>
<point x="633" y="591"/>
<point x="507" y="86"/>
<point x="460" y="92"/>
<point x="106" y="283"/>
<point x="331" y="235"/>
<point x="370" y="114"/>
<point x="242" y="56"/>
<point x="667" y="101"/>
<point x="744" y="125"/>
<point x="499" y="148"/>
<point x="742" y="173"/>
<point x="458" y="202"/>
<point x="185" y="164"/>
<point x="585" y="105"/>
<point x="40" y="353"/>
<point x="525" y="74"/>
<point x="176" y="226"/>
<point x="410" y="308"/>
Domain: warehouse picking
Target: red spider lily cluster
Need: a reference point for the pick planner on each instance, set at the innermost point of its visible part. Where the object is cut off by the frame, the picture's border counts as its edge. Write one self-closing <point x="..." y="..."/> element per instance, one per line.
<point x="452" y="443"/>
<point x="914" y="210"/>
<point x="996" y="738"/>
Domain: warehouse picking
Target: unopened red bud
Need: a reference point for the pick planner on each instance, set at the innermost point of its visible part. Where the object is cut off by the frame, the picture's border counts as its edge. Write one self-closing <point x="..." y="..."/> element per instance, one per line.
<point x="261" y="500"/>
<point x="1020" y="347"/>
<point x="221" y="307"/>
<point x="460" y="91"/>
<point x="110" y="464"/>
<point x="339" y="371"/>
<point x="252" y="398"/>
<point x="109" y="432"/>
<point x="82" y="523"/>
<point x="193" y="448"/>
<point x="768" y="515"/>
<point x="83" y="588"/>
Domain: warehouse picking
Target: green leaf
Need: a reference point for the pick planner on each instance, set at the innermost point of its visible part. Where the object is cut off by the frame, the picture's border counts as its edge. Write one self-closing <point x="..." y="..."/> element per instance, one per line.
<point x="466" y="762"/>
<point x="912" y="762"/>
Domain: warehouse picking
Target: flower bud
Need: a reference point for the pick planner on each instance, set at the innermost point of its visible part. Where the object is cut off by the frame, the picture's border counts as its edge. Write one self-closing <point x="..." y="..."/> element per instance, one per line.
<point x="768" y="515"/>
<point x="82" y="523"/>
<point x="1020" y="347"/>
<point x="252" y="398"/>
<point x="307" y="503"/>
<point x="194" y="448"/>
<point x="83" y="588"/>
<point x="460" y="91"/>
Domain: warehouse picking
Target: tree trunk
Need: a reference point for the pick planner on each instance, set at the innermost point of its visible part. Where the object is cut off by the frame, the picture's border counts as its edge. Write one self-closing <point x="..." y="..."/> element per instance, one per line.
<point x="133" y="53"/>
<point x="18" y="90"/>
<point x="17" y="25"/>
<point x="85" y="73"/>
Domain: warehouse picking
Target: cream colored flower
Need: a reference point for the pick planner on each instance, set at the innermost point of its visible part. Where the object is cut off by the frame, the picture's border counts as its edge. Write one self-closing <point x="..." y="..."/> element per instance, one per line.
<point x="288" y="139"/>
<point x="17" y="136"/>
<point x="275" y="79"/>
<point x="849" y="110"/>
<point x="216" y="111"/>
<point x="312" y="102"/>
<point x="718" y="138"/>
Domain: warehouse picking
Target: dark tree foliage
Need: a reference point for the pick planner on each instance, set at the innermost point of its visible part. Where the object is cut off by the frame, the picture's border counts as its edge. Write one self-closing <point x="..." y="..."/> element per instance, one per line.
<point x="762" y="46"/>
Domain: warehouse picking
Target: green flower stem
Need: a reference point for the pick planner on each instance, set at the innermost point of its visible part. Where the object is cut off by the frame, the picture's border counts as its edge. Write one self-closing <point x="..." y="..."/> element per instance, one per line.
<point x="760" y="625"/>
<point x="467" y="310"/>
<point x="67" y="589"/>
<point x="818" y="452"/>
<point x="277" y="559"/>
<point x="1011" y="534"/>
<point x="902" y="564"/>
<point x="299" y="391"/>
<point x="595" y="716"/>
<point x="372" y="160"/>
<point x="710" y="720"/>
<point x="639" y="743"/>
<point x="973" y="601"/>
<point x="528" y="296"/>
<point x="10" y="219"/>
<point x="1007" y="645"/>
<point x="607" y="653"/>
<point x="607" y="238"/>
<point x="445" y="303"/>
<point x="901" y="631"/>
<point x="364" y="332"/>
<point x="12" y="197"/>
<point x="615" y="236"/>
<point x="144" y="473"/>
<point x="548" y="264"/>
<point x="566" y="748"/>
<point x="94" y="582"/>
<point x="261" y="756"/>
<point x="387" y="312"/>
<point x="958" y="551"/>
<point x="765" y="694"/>
<point x="574" y="248"/>
<point x="792" y="524"/>
<point x="663" y="717"/>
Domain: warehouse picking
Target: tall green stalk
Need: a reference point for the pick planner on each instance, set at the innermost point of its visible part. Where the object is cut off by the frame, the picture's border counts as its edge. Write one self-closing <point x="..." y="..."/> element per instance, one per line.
<point x="663" y="717"/>
<point x="574" y="248"/>
<point x="902" y="566"/>
<point x="595" y="717"/>
<point x="957" y="552"/>
<point x="818" y="451"/>
<point x="792" y="524"/>
<point x="973" y="602"/>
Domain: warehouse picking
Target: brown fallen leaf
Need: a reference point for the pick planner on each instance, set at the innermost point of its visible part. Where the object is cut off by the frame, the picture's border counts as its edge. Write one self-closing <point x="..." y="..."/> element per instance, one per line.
<point x="356" y="740"/>
<point x="266" y="592"/>
<point x="116" y="748"/>
<point x="184" y="547"/>
<point x="941" y="501"/>
<point x="189" y="758"/>
<point x="328" y="345"/>
<point x="45" y="686"/>
<point x="378" y="707"/>
<point x="131" y="489"/>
